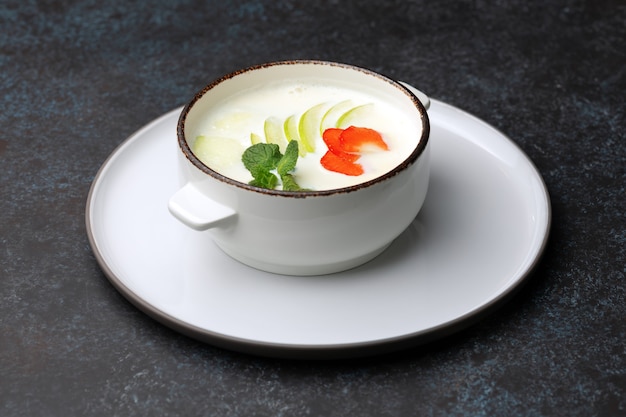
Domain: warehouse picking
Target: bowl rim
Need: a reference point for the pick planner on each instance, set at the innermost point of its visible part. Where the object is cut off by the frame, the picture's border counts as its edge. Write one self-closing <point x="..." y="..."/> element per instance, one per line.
<point x="412" y="158"/>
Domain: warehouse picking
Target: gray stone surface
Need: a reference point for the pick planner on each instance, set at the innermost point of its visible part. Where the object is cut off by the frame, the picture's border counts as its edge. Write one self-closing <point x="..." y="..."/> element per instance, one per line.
<point x="78" y="77"/>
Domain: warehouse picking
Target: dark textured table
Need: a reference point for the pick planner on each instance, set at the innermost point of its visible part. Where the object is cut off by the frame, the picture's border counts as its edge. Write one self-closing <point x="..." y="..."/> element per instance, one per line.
<point x="78" y="77"/>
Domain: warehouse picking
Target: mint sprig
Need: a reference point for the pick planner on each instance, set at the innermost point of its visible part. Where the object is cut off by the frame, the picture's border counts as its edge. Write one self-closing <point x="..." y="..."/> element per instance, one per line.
<point x="262" y="158"/>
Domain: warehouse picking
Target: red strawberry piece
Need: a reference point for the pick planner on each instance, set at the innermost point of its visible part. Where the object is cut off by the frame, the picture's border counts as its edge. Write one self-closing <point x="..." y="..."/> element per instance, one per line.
<point x="354" y="139"/>
<point x="332" y="138"/>
<point x="333" y="162"/>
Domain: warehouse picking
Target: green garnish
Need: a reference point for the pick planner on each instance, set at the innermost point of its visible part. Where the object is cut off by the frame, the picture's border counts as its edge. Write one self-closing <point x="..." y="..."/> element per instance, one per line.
<point x="261" y="158"/>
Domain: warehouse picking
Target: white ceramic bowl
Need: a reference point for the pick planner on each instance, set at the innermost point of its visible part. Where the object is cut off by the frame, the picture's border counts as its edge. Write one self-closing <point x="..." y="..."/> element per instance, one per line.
<point x="301" y="232"/>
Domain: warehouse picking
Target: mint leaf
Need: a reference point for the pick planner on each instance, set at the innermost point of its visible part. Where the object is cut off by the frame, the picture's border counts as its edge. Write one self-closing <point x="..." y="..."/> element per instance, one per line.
<point x="286" y="165"/>
<point x="261" y="158"/>
<point x="288" y="162"/>
<point x="265" y="180"/>
<point x="290" y="184"/>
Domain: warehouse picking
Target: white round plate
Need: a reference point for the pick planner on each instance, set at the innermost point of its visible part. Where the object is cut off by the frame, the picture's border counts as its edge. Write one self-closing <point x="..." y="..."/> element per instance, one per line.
<point x="482" y="229"/>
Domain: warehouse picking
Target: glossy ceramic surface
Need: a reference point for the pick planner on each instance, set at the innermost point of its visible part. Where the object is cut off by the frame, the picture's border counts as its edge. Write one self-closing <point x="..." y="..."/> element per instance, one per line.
<point x="479" y="234"/>
<point x="303" y="233"/>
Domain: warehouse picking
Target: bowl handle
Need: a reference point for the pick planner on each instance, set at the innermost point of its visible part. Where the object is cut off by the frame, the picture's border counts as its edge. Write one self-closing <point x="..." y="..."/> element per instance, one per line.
<point x="421" y="96"/>
<point x="196" y="210"/>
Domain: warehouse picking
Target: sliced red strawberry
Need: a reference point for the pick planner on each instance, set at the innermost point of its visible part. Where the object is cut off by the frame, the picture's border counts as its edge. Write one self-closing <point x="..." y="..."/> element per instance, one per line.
<point x="345" y="145"/>
<point x="333" y="162"/>
<point x="332" y="138"/>
<point x="355" y="139"/>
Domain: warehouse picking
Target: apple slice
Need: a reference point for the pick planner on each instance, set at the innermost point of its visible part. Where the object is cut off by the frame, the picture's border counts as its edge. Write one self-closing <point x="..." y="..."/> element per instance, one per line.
<point x="291" y="132"/>
<point x="356" y="116"/>
<point x="291" y="128"/>
<point x="274" y="133"/>
<point x="233" y="120"/>
<point x="331" y="117"/>
<point x="309" y="126"/>
<point x="254" y="138"/>
<point x="215" y="151"/>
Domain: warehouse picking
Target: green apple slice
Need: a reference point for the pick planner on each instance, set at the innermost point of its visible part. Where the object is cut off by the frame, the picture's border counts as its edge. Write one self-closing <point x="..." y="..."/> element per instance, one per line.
<point x="291" y="132"/>
<point x="356" y="116"/>
<point x="309" y="126"/>
<point x="274" y="133"/>
<point x="216" y="152"/>
<point x="331" y="117"/>
<point x="254" y="138"/>
<point x="233" y="120"/>
<point x="291" y="128"/>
